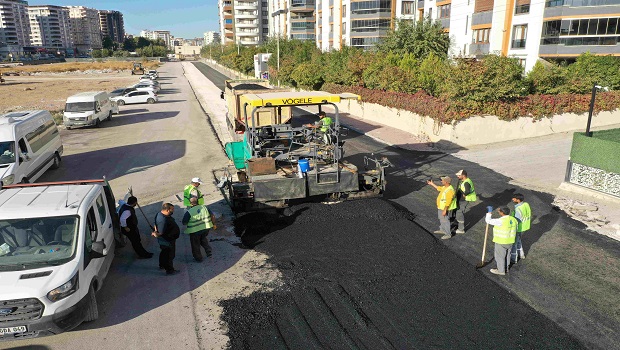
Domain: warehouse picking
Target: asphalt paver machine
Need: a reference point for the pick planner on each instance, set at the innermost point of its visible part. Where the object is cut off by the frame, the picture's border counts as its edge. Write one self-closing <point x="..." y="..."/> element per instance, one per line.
<point x="276" y="163"/>
<point x="137" y="69"/>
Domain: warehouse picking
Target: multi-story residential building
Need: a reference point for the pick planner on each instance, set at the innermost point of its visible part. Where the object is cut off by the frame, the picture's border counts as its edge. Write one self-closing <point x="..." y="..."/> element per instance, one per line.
<point x="86" y="29"/>
<point x="159" y="34"/>
<point x="301" y="20"/>
<point x="529" y="30"/>
<point x="211" y="37"/>
<point x="112" y="25"/>
<point x="50" y="27"/>
<point x="279" y="21"/>
<point x="245" y="22"/>
<point x="14" y="23"/>
<point x="354" y="23"/>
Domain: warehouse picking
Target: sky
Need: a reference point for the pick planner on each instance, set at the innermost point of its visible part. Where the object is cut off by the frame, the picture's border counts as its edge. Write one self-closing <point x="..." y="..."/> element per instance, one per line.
<point x="183" y="18"/>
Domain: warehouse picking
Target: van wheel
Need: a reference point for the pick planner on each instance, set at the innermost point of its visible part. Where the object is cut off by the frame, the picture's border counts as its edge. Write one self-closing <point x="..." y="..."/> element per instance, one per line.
<point x="97" y="123"/>
<point x="110" y="116"/>
<point x="56" y="163"/>
<point x="25" y="180"/>
<point x="92" y="312"/>
<point x="120" y="102"/>
<point x="150" y="101"/>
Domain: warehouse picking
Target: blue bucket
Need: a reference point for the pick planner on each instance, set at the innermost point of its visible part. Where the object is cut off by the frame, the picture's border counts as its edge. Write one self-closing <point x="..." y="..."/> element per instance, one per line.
<point x="304" y="165"/>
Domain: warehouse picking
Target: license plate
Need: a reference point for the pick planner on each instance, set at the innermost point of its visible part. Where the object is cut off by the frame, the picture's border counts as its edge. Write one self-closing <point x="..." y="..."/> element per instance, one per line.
<point x="11" y="330"/>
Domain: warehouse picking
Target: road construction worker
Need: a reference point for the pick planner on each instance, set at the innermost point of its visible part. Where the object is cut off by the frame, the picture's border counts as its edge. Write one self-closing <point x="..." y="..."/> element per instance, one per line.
<point x="465" y="195"/>
<point x="504" y="233"/>
<point x="523" y="214"/>
<point x="324" y="126"/>
<point x="191" y="191"/>
<point x="446" y="202"/>
<point x="198" y="221"/>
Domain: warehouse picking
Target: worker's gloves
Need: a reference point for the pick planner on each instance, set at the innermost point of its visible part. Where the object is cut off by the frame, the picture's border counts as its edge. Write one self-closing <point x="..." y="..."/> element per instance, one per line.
<point x="489" y="208"/>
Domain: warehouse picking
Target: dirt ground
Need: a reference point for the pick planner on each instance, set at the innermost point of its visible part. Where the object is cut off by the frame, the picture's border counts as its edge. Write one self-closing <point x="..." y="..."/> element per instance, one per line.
<point x="48" y="86"/>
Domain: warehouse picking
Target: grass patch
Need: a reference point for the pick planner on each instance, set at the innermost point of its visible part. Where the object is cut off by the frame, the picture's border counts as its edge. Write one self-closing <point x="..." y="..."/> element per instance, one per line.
<point x="57" y="116"/>
<point x="78" y="66"/>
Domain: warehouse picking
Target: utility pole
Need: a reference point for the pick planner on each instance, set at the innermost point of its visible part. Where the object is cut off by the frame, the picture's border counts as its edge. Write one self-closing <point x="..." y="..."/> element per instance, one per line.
<point x="278" y="58"/>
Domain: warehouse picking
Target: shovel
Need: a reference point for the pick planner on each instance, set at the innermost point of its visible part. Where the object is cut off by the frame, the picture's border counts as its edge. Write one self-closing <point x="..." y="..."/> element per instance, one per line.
<point x="484" y="248"/>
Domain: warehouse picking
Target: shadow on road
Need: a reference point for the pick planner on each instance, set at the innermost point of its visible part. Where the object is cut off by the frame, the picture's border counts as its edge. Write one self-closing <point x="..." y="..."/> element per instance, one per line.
<point x="134" y="287"/>
<point x="170" y="101"/>
<point x="117" y="161"/>
<point x="135" y="118"/>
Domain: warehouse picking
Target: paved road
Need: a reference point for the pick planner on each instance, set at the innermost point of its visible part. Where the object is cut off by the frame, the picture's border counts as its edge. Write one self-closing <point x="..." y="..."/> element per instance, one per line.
<point x="156" y="149"/>
<point x="571" y="275"/>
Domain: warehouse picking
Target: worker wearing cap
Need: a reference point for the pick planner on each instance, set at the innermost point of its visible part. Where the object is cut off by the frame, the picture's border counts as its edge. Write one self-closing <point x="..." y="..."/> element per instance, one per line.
<point x="191" y="191"/>
<point x="504" y="234"/>
<point x="323" y="125"/>
<point x="465" y="195"/>
<point x="198" y="221"/>
<point x="446" y="202"/>
<point x="523" y="214"/>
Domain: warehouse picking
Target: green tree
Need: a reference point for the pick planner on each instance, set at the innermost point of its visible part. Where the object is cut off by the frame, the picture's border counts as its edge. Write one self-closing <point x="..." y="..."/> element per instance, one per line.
<point x="142" y="42"/>
<point x="432" y="74"/>
<point x="590" y="69"/>
<point x="129" y="45"/>
<point x="419" y="38"/>
<point x="107" y="43"/>
<point x="547" y="78"/>
<point x="96" y="54"/>
<point x="308" y="75"/>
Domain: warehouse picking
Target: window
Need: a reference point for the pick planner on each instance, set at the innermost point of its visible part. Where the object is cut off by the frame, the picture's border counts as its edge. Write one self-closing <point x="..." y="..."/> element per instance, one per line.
<point x="344" y="10"/>
<point x="264" y="3"/>
<point x="101" y="208"/>
<point x="408" y="7"/>
<point x="265" y="30"/>
<point x="371" y="7"/>
<point x="481" y="36"/>
<point x="42" y="135"/>
<point x="344" y="27"/>
<point x="522" y="9"/>
<point x="519" y="36"/>
<point x="444" y="11"/>
<point x="370" y="25"/>
<point x="265" y="21"/>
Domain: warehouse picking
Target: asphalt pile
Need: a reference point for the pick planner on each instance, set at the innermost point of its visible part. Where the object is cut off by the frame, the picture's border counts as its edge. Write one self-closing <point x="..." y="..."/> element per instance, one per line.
<point x="364" y="275"/>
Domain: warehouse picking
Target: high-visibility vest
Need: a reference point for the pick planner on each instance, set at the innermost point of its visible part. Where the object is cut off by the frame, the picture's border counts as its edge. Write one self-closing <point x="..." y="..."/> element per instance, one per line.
<point x="199" y="219"/>
<point x="526" y="217"/>
<point x="187" y="194"/>
<point x="326" y="122"/>
<point x="506" y="232"/>
<point x="443" y="198"/>
<point x="471" y="197"/>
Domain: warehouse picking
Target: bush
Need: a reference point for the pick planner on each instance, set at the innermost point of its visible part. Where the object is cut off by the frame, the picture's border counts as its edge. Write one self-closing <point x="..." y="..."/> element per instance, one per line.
<point x="308" y="75"/>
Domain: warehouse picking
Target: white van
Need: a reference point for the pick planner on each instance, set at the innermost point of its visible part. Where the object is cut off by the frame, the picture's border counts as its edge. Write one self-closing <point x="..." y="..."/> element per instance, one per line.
<point x="87" y="108"/>
<point x="29" y="145"/>
<point x="56" y="247"/>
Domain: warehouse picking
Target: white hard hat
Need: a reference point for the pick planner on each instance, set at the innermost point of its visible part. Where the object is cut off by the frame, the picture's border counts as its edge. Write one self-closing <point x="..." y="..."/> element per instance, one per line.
<point x="197" y="179"/>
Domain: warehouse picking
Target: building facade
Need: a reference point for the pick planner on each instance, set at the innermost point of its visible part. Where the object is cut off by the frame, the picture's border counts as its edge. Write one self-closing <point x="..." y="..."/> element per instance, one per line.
<point x="244" y="22"/>
<point x="211" y="37"/>
<point x="112" y="25"/>
<point x="86" y="29"/>
<point x="14" y="23"/>
<point x="159" y="34"/>
<point x="50" y="27"/>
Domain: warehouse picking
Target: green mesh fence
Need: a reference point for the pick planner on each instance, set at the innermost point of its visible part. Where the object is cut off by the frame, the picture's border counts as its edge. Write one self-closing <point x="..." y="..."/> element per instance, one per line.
<point x="601" y="151"/>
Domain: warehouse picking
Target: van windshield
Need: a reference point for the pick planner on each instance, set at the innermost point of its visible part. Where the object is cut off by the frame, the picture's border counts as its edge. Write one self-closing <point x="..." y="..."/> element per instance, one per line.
<point x="37" y="242"/>
<point x="80" y="107"/>
<point x="7" y="153"/>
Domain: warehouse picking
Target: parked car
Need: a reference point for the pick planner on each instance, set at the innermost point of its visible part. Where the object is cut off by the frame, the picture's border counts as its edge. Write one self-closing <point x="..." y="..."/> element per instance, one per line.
<point x="146" y="86"/>
<point x="153" y="73"/>
<point x="136" y="97"/>
<point x="150" y="81"/>
<point x="121" y="91"/>
<point x="29" y="145"/>
<point x="148" y="77"/>
<point x="88" y="108"/>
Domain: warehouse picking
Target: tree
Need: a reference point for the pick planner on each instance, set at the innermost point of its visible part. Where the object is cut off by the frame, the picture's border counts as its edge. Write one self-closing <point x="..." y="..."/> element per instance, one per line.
<point x="420" y="39"/>
<point x="547" y="78"/>
<point x="107" y="43"/>
<point x="308" y="75"/>
<point x="96" y="54"/>
<point x="129" y="45"/>
<point x="590" y="69"/>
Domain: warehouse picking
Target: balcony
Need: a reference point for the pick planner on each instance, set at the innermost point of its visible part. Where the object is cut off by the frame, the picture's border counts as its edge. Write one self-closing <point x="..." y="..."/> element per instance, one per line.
<point x="479" y="49"/>
<point x="482" y="18"/>
<point x="518" y="44"/>
<point x="246" y="6"/>
<point x="252" y="24"/>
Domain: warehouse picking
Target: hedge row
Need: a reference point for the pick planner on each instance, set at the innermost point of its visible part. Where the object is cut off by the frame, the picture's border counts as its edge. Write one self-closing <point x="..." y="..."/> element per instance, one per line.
<point x="534" y="106"/>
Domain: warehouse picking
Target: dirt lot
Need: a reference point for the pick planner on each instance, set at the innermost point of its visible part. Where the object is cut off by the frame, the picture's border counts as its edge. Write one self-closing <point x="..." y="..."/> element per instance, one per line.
<point x="48" y="86"/>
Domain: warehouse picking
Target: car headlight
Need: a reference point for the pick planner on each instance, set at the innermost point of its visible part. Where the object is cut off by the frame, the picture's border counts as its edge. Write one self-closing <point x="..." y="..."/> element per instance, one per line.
<point x="8" y="180"/>
<point x="65" y="290"/>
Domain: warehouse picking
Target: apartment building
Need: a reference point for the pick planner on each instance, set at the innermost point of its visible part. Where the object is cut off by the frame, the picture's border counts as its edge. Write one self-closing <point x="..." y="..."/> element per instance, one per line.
<point x="211" y="37"/>
<point x="50" y="27"/>
<point x="245" y="22"/>
<point x="112" y="25"/>
<point x="86" y="29"/>
<point x="14" y="23"/>
<point x="159" y="34"/>
<point x="529" y="30"/>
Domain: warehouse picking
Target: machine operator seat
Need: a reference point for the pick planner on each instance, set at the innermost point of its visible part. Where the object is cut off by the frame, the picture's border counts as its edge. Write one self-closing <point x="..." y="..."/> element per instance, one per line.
<point x="64" y="233"/>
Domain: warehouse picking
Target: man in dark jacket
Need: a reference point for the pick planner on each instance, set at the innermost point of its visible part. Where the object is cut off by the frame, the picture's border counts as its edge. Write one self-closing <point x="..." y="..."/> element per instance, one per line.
<point x="129" y="227"/>
<point x="167" y="232"/>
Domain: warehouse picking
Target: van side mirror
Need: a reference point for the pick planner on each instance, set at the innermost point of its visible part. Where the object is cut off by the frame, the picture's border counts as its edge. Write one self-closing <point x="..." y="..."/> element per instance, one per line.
<point x="222" y="95"/>
<point x="97" y="250"/>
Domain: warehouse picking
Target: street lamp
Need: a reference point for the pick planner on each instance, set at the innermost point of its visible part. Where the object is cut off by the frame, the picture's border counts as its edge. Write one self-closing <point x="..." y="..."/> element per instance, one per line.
<point x="594" y="89"/>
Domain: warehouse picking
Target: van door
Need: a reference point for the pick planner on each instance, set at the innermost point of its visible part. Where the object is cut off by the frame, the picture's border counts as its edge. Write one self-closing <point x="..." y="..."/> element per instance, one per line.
<point x="91" y="266"/>
<point x="106" y="233"/>
<point x="24" y="161"/>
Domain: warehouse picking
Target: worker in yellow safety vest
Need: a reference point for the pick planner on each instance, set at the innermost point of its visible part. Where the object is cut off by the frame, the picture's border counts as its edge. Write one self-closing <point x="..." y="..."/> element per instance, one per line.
<point x="198" y="221"/>
<point x="324" y="126"/>
<point x="523" y="214"/>
<point x="504" y="233"/>
<point x="191" y="191"/>
<point x="465" y="195"/>
<point x="446" y="202"/>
